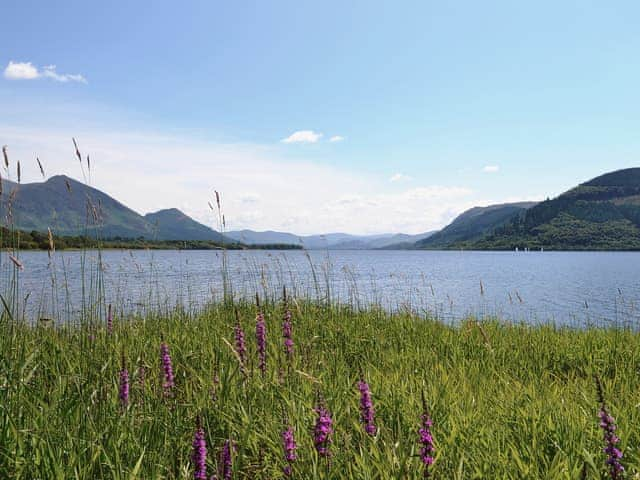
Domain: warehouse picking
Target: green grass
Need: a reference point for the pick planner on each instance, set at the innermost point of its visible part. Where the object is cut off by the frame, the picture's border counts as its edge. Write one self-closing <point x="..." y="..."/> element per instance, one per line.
<point x="511" y="402"/>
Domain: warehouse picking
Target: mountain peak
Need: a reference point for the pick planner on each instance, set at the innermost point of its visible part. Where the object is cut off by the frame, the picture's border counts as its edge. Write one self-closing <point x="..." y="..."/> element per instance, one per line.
<point x="60" y="203"/>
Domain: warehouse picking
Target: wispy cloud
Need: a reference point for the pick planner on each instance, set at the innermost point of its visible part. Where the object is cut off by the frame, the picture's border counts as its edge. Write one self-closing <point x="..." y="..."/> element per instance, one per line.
<point x="336" y="138"/>
<point x="50" y="72"/>
<point x="258" y="186"/>
<point x="491" y="169"/>
<point x="28" y="71"/>
<point x="303" y="136"/>
<point x="399" y="177"/>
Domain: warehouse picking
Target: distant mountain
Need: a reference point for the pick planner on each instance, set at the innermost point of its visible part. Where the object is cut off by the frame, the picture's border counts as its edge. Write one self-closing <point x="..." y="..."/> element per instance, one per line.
<point x="251" y="237"/>
<point x="473" y="225"/>
<point x="330" y="241"/>
<point x="70" y="207"/>
<point x="601" y="214"/>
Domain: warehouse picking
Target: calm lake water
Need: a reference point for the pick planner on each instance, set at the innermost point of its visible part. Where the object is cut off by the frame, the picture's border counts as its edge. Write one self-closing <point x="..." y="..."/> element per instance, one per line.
<point x="581" y="288"/>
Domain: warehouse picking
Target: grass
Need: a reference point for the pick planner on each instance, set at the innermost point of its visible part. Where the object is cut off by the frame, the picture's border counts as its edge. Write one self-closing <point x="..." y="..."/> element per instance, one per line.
<point x="507" y="401"/>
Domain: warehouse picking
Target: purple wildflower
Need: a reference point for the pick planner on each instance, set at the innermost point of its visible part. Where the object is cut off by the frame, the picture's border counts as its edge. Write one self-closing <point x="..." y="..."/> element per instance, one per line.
<point x="366" y="408"/>
<point x="322" y="431"/>
<point x="608" y="425"/>
<point x="225" y="467"/>
<point x="109" y="321"/>
<point x="287" y="333"/>
<point x="167" y="368"/>
<point x="426" y="440"/>
<point x="289" y="445"/>
<point x="199" y="455"/>
<point x="261" y="339"/>
<point x="123" y="392"/>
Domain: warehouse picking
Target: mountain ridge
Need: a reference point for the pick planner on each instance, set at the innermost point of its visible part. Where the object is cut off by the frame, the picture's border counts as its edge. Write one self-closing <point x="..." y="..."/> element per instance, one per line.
<point x="70" y="207"/>
<point x="473" y="224"/>
<point x="602" y="213"/>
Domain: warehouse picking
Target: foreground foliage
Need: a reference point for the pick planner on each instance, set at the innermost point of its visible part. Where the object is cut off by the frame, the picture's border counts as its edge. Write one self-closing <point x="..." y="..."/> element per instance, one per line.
<point x="505" y="401"/>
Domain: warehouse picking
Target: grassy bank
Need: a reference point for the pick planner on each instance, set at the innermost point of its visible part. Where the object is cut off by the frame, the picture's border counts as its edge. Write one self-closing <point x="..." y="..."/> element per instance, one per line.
<point x="506" y="401"/>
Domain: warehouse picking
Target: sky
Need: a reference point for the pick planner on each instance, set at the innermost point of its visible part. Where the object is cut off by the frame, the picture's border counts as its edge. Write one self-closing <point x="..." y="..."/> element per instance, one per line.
<point x="314" y="117"/>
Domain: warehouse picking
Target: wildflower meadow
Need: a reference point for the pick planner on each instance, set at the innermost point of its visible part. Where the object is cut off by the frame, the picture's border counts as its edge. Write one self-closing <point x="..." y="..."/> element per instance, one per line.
<point x="301" y="389"/>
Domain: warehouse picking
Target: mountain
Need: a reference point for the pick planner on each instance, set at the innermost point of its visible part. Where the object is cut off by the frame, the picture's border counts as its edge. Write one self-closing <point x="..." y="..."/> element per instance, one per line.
<point x="172" y="224"/>
<point x="251" y="237"/>
<point x="473" y="225"/>
<point x="398" y="241"/>
<point x="70" y="207"/>
<point x="601" y="214"/>
<point x="329" y="241"/>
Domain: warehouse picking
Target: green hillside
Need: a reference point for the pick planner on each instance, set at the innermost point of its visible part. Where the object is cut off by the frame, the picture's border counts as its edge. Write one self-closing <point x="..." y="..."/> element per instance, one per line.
<point x="601" y="214"/>
<point x="473" y="225"/>
<point x="71" y="208"/>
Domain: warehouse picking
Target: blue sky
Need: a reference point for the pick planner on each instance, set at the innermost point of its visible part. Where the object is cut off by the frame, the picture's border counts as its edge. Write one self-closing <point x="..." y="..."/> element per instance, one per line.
<point x="439" y="106"/>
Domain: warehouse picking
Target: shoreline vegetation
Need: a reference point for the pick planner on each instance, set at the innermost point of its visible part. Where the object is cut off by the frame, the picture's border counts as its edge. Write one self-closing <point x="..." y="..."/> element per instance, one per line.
<point x="24" y="240"/>
<point x="352" y="394"/>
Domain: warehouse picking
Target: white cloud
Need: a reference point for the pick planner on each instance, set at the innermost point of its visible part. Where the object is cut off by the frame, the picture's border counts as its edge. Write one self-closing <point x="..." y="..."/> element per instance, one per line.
<point x="50" y="72"/>
<point x="336" y="138"/>
<point x="260" y="190"/>
<point x="21" y="71"/>
<point x="28" y="71"/>
<point x="303" y="136"/>
<point x="491" y="168"/>
<point x="399" y="177"/>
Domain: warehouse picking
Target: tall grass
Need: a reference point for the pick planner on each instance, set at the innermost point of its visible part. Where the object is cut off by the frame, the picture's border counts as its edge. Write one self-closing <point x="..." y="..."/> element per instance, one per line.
<point x="506" y="401"/>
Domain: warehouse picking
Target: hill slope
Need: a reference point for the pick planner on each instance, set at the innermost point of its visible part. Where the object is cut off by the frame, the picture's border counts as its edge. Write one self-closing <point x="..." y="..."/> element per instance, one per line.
<point x="473" y="225"/>
<point x="601" y="214"/>
<point x="172" y="224"/>
<point x="70" y="207"/>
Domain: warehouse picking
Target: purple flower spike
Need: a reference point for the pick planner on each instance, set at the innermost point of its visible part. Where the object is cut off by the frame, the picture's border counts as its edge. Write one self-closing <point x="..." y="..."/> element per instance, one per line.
<point x="261" y="339"/>
<point x="167" y="368"/>
<point x="608" y="426"/>
<point x="287" y="333"/>
<point x="225" y="467"/>
<point x="322" y="431"/>
<point x="366" y="408"/>
<point x="199" y="455"/>
<point x="289" y="446"/>
<point x="123" y="391"/>
<point x="426" y="440"/>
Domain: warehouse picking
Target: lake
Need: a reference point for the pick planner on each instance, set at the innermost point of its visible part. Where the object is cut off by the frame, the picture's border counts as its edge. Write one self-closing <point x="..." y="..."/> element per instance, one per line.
<point x="566" y="288"/>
